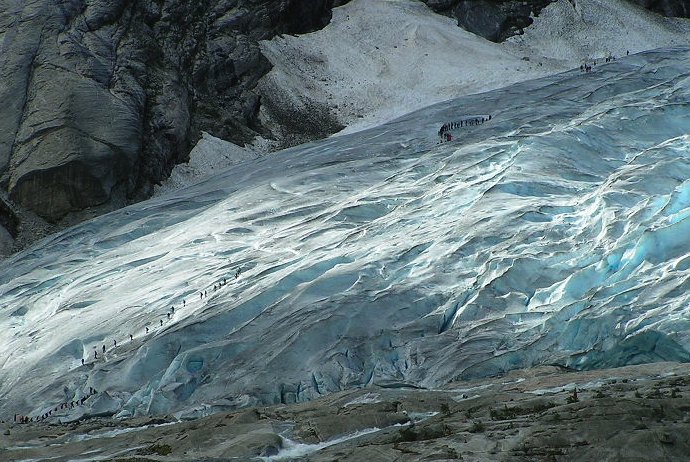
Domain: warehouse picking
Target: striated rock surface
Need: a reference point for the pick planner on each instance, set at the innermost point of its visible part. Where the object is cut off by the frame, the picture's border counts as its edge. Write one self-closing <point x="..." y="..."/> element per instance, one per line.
<point x="102" y="98"/>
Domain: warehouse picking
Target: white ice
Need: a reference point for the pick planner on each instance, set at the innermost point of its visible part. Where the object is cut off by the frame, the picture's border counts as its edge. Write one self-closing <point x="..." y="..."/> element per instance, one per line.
<point x="553" y="234"/>
<point x="378" y="60"/>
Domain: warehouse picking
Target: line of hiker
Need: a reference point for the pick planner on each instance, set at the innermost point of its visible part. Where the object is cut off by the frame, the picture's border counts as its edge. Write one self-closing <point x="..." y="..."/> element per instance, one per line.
<point x="467" y="122"/>
<point x="131" y="336"/>
<point x="202" y="294"/>
<point x="18" y="418"/>
<point x="22" y="419"/>
<point x="584" y="67"/>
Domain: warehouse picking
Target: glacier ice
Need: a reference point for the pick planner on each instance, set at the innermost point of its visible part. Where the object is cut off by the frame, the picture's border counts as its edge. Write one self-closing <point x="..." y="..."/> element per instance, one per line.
<point x="556" y="233"/>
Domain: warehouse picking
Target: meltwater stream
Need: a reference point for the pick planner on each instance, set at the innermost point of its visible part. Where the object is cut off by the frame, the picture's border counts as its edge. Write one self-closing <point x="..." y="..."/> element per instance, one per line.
<point x="555" y="233"/>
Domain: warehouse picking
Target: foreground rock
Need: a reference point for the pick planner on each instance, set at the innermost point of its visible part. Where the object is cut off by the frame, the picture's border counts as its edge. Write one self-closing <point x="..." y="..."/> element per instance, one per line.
<point x="632" y="413"/>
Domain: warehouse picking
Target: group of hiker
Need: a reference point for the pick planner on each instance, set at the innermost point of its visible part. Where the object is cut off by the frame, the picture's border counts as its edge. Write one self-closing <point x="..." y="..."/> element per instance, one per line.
<point x="203" y="294"/>
<point x="18" y="418"/>
<point x="584" y="67"/>
<point x="444" y="134"/>
<point x="22" y="419"/>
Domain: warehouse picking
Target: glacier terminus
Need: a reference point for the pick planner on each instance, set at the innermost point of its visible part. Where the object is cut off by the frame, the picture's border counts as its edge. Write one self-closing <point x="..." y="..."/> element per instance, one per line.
<point x="555" y="234"/>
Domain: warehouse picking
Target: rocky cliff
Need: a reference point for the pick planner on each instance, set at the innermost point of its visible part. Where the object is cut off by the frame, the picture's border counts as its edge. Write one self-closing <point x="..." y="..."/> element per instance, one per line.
<point x="496" y="20"/>
<point x="678" y="8"/>
<point x="101" y="98"/>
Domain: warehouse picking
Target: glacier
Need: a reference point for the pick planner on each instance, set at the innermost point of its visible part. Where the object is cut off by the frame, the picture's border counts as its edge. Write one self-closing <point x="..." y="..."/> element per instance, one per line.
<point x="556" y="233"/>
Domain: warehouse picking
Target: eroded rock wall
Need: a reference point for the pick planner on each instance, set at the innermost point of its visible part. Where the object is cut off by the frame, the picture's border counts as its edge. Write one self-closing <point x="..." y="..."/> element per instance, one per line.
<point x="101" y="98"/>
<point x="677" y="8"/>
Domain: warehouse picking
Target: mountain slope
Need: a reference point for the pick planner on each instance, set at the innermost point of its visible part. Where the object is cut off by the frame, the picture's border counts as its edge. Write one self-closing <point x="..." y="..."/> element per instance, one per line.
<point x="364" y="72"/>
<point x="554" y="233"/>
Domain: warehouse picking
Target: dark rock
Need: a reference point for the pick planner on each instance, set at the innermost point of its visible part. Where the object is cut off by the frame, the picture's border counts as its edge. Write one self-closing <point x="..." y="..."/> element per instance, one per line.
<point x="101" y="99"/>
<point x="677" y="8"/>
<point x="496" y="20"/>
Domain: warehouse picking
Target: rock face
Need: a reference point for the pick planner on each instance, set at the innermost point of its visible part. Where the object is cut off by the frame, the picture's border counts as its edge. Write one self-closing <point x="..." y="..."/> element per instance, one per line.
<point x="678" y="8"/>
<point x="496" y="20"/>
<point x="102" y="98"/>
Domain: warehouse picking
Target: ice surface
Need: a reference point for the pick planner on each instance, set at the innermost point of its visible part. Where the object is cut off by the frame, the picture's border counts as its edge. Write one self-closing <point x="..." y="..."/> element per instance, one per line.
<point x="556" y="233"/>
<point x="367" y="71"/>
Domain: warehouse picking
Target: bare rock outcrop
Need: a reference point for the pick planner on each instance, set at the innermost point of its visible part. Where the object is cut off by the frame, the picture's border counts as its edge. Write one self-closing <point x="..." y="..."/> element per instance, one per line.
<point x="101" y="98"/>
<point x="496" y="20"/>
<point x="677" y="8"/>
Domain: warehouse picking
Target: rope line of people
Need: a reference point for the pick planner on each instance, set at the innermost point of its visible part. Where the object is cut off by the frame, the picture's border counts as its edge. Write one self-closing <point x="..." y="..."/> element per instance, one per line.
<point x="584" y="67"/>
<point x="18" y="418"/>
<point x="23" y="419"/>
<point x="444" y="134"/>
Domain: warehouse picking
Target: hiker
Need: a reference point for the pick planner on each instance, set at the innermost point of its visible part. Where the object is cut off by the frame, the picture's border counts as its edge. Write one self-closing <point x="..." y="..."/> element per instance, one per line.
<point x="114" y="342"/>
<point x="131" y="337"/>
<point x="95" y="355"/>
<point x="184" y="303"/>
<point x="161" y="323"/>
<point x="168" y="315"/>
<point x="172" y="309"/>
<point x="489" y="116"/>
<point x="147" y="330"/>
<point x="82" y="361"/>
<point x="201" y="295"/>
<point x="103" y="348"/>
<point x="205" y="294"/>
<point x="627" y="52"/>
